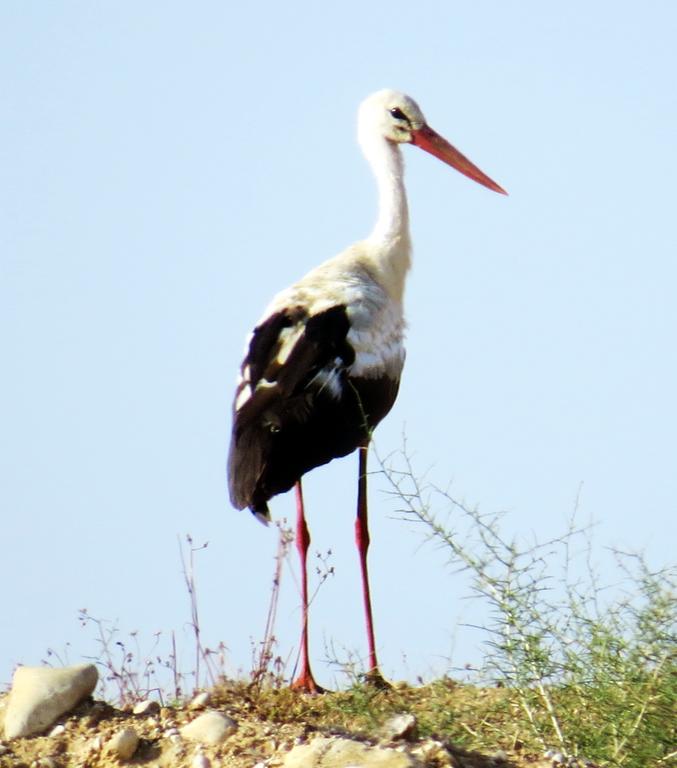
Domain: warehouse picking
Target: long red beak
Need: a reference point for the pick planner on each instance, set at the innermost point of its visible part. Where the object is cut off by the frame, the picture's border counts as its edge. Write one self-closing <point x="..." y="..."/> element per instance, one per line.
<point x="432" y="142"/>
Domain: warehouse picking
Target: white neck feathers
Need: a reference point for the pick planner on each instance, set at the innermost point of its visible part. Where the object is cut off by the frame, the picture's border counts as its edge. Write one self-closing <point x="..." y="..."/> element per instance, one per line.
<point x="389" y="242"/>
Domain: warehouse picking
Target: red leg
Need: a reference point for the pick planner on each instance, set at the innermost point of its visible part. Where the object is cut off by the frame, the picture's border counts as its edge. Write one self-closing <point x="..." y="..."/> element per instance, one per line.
<point x="362" y="541"/>
<point x="305" y="680"/>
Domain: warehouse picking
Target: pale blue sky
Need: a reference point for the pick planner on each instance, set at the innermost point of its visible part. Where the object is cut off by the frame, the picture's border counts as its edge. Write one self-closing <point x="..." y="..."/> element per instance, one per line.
<point x="167" y="167"/>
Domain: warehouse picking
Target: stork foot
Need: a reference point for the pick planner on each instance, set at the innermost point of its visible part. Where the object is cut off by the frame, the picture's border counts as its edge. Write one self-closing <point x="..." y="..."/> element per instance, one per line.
<point x="305" y="683"/>
<point x="376" y="679"/>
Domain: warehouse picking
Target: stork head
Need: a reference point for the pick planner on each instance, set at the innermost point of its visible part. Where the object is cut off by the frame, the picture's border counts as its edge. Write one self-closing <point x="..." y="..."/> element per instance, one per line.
<point x="396" y="117"/>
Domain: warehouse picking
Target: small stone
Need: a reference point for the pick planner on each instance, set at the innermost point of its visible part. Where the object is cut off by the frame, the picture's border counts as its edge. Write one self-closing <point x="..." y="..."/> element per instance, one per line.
<point x="212" y="727"/>
<point x="4" y="749"/>
<point x="402" y="726"/>
<point x="556" y="757"/>
<point x="500" y="756"/>
<point x="200" y="761"/>
<point x="123" y="744"/>
<point x="146" y="707"/>
<point x="40" y="695"/>
<point x="57" y="731"/>
<point x="96" y="744"/>
<point x="434" y="752"/>
<point x="200" y="701"/>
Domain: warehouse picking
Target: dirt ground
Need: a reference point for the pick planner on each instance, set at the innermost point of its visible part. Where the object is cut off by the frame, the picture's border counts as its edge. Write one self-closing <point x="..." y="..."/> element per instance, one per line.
<point x="263" y="737"/>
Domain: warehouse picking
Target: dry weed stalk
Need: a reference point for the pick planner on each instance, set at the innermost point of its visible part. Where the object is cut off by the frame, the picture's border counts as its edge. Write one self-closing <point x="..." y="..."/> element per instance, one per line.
<point x="263" y="653"/>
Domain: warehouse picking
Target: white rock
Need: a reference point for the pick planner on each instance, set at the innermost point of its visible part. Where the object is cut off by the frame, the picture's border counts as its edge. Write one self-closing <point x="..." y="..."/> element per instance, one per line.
<point x="173" y="735"/>
<point x="209" y="728"/>
<point x="123" y="743"/>
<point x="200" y="701"/>
<point x="435" y="753"/>
<point x="400" y="726"/>
<point x="200" y="761"/>
<point x="90" y="748"/>
<point x="57" y="731"/>
<point x="344" y="753"/>
<point x="40" y="695"/>
<point x="147" y="707"/>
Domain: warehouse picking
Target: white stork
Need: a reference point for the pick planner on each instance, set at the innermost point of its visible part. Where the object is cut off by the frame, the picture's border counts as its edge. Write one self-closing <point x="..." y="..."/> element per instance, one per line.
<point x="323" y="365"/>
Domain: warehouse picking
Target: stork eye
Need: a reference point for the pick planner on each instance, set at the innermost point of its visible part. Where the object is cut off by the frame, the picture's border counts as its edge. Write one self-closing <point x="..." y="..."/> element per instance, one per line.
<point x="398" y="114"/>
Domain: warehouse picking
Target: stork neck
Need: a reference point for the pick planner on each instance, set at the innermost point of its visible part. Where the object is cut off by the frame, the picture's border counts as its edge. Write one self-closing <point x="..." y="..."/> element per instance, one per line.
<point x="392" y="225"/>
<point x="389" y="241"/>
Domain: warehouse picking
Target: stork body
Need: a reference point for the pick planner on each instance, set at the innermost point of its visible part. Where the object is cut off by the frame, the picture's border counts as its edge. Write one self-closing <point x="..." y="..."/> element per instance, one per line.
<point x="325" y="362"/>
<point x="323" y="365"/>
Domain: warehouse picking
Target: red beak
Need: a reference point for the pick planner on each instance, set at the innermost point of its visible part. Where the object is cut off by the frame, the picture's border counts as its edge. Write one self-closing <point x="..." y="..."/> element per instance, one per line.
<point x="432" y="142"/>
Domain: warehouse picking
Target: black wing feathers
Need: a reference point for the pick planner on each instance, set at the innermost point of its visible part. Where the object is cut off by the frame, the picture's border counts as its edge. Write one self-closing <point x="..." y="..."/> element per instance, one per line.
<point x="303" y="409"/>
<point x="265" y="343"/>
<point x="280" y="393"/>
